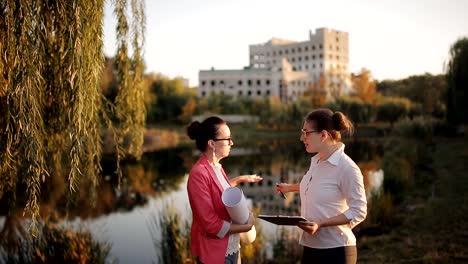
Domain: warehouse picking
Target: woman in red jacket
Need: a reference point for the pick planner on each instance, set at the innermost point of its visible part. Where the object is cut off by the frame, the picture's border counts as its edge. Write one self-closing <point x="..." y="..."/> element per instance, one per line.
<point x="214" y="238"/>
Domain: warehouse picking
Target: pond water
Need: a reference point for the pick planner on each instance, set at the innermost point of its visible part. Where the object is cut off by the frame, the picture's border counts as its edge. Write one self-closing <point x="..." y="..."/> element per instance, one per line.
<point x="126" y="217"/>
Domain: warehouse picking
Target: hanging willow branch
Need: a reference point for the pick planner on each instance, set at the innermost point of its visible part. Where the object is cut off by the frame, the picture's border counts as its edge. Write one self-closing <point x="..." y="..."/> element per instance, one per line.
<point x="122" y="65"/>
<point x="139" y="118"/>
<point x="130" y="105"/>
<point x="23" y="122"/>
<point x="87" y="133"/>
<point x="51" y="104"/>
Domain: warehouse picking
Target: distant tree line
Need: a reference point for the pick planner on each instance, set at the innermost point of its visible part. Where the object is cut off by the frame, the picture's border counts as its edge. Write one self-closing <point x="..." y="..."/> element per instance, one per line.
<point x="169" y="101"/>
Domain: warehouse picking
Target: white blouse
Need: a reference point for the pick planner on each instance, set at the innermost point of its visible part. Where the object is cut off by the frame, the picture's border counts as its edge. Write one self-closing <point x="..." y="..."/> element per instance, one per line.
<point x="234" y="239"/>
<point x="330" y="188"/>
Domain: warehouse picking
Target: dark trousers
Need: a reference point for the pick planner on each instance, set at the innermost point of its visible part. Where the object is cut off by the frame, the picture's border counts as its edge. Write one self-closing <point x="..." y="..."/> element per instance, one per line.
<point x="339" y="255"/>
<point x="231" y="259"/>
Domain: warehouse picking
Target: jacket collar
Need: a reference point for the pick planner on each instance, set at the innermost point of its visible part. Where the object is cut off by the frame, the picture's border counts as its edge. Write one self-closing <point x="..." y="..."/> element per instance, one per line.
<point x="204" y="162"/>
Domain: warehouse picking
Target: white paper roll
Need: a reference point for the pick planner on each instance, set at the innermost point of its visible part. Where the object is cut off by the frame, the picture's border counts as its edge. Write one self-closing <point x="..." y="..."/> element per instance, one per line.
<point x="236" y="205"/>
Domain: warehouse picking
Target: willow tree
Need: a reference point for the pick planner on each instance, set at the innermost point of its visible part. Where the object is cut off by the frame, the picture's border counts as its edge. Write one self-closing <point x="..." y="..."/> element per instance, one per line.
<point x="52" y="111"/>
<point x="457" y="80"/>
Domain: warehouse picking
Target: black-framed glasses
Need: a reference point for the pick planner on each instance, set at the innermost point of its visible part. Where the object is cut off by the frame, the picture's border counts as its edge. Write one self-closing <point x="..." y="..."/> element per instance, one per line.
<point x="221" y="139"/>
<point x="305" y="133"/>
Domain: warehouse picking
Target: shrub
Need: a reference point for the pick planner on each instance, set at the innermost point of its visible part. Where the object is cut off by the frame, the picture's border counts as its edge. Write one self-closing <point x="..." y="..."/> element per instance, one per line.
<point x="420" y="127"/>
<point x="56" y="244"/>
<point x="174" y="239"/>
<point x="391" y="109"/>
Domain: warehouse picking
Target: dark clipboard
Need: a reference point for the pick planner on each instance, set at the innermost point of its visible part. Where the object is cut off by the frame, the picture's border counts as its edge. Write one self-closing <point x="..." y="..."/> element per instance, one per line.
<point x="282" y="219"/>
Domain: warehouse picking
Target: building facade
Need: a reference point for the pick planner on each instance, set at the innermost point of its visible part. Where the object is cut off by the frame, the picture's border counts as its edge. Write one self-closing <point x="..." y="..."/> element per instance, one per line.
<point x="287" y="69"/>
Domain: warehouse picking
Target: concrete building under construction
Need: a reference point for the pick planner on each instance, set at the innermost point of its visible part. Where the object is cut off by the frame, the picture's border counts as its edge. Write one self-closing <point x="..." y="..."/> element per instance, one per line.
<point x="286" y="69"/>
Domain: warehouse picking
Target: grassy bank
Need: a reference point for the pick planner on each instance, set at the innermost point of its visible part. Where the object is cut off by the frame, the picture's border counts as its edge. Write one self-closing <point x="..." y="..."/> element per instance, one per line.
<point x="433" y="230"/>
<point x="247" y="131"/>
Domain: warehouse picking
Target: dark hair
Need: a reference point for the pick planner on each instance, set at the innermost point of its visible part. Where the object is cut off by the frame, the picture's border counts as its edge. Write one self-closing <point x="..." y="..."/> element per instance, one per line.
<point x="333" y="123"/>
<point x="204" y="131"/>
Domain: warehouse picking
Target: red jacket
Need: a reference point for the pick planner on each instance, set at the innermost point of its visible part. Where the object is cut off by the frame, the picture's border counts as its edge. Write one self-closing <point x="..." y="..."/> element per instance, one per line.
<point x="208" y="213"/>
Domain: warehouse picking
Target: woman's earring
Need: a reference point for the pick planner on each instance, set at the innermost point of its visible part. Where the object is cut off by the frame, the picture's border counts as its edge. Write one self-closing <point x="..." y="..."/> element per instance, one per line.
<point x="214" y="155"/>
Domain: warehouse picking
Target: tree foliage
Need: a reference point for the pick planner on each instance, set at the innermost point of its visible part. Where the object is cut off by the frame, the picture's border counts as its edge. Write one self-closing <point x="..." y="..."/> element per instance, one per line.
<point x="168" y="98"/>
<point x="130" y="107"/>
<point x="457" y="79"/>
<point x="354" y="107"/>
<point x="50" y="96"/>
<point x="425" y="90"/>
<point x="364" y="86"/>
<point x="187" y="110"/>
<point x="53" y="244"/>
<point x="316" y="93"/>
<point x="391" y="109"/>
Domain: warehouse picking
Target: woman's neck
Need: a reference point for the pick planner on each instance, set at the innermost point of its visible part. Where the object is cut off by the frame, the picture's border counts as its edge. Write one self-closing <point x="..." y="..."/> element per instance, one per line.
<point x="212" y="159"/>
<point x="328" y="151"/>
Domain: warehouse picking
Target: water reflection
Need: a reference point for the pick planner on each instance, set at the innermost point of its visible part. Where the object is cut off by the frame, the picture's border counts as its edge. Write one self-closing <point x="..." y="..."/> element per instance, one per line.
<point x="375" y="179"/>
<point x="123" y="216"/>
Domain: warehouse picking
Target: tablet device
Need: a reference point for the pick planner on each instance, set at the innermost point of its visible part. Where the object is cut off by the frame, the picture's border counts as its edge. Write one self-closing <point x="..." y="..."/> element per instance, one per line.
<point x="282" y="219"/>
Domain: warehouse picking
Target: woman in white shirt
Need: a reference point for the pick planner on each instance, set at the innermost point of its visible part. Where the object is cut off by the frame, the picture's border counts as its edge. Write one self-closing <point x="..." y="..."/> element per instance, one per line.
<point x="333" y="199"/>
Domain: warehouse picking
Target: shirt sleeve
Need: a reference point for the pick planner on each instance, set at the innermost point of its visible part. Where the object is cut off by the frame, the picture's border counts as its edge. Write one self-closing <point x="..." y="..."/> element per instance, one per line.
<point x="224" y="229"/>
<point x="355" y="195"/>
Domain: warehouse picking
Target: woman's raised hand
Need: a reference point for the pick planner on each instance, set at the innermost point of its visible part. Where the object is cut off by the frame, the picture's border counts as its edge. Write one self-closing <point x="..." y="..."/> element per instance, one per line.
<point x="250" y="178"/>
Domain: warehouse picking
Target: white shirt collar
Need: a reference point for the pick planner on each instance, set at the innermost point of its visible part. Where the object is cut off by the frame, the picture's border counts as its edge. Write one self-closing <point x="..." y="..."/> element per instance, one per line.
<point x="334" y="158"/>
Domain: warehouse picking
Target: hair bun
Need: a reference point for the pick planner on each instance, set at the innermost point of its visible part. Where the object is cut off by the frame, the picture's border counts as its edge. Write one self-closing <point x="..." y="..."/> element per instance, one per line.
<point x="193" y="130"/>
<point x="339" y="123"/>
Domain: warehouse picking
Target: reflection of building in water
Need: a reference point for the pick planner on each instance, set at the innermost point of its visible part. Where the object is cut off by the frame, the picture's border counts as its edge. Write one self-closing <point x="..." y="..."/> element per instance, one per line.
<point x="375" y="182"/>
<point x="264" y="196"/>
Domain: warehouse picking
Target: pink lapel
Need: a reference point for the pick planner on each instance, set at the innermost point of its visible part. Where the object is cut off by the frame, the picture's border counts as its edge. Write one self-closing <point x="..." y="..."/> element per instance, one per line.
<point x="204" y="161"/>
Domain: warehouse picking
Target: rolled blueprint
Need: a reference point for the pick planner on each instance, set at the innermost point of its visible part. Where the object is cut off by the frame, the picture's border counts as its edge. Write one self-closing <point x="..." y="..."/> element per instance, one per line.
<point x="236" y="205"/>
<point x="238" y="210"/>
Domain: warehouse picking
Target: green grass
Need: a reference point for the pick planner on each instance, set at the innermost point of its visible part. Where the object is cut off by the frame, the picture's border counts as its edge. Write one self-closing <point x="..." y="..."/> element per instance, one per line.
<point x="434" y="229"/>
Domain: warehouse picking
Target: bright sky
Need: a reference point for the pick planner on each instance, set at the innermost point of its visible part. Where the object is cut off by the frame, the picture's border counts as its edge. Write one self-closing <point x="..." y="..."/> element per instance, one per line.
<point x="392" y="38"/>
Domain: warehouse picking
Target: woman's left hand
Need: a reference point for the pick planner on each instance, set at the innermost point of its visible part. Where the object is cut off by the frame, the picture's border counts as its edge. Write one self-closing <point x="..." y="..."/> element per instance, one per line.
<point x="309" y="227"/>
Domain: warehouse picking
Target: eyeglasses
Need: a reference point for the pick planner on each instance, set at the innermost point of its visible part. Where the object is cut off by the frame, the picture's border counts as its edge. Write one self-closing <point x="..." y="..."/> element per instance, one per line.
<point x="220" y="139"/>
<point x="305" y="133"/>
